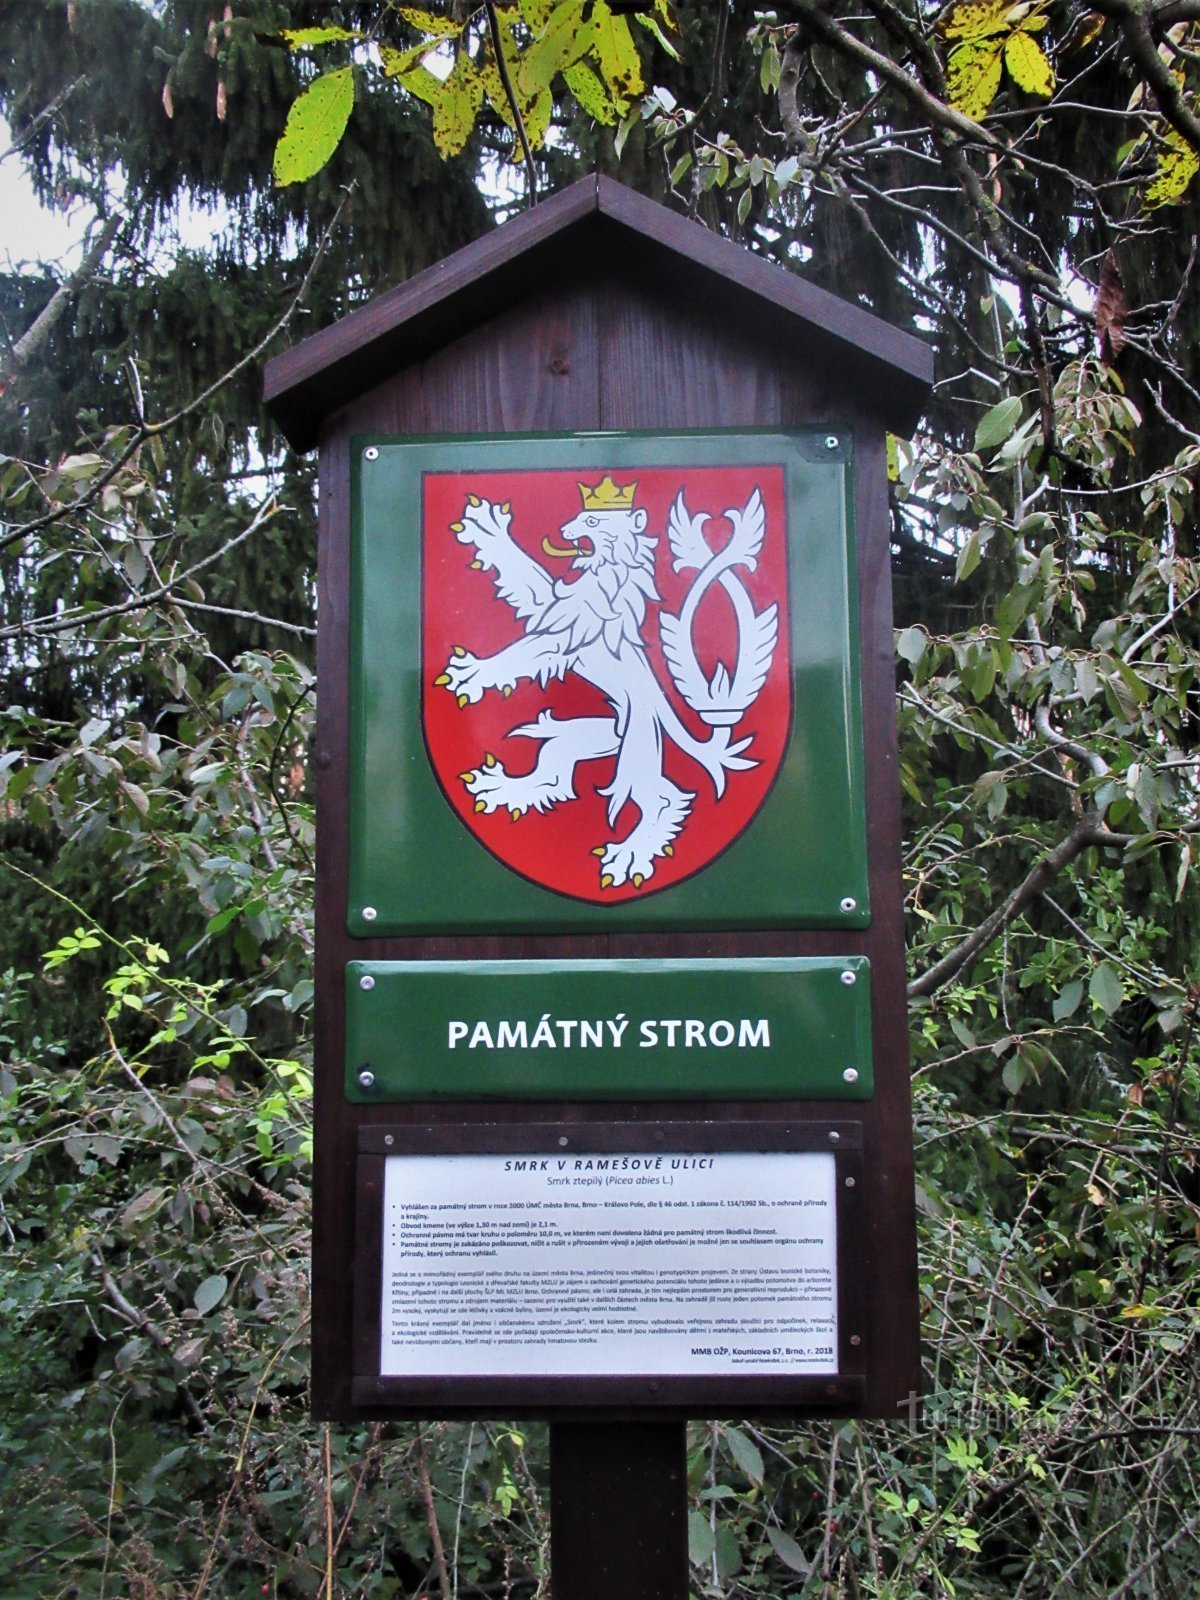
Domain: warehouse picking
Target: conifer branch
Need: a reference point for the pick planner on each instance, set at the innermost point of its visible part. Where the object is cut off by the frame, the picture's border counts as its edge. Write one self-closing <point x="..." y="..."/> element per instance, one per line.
<point x="35" y="336"/>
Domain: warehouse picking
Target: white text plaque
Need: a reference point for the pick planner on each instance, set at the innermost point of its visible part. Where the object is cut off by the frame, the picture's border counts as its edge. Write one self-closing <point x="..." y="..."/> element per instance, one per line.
<point x="632" y="1264"/>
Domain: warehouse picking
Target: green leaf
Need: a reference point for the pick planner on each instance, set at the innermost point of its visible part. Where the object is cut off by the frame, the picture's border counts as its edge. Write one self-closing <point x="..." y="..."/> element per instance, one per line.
<point x="701" y="1543"/>
<point x="1014" y="1075"/>
<point x="142" y="1206"/>
<point x="788" y="1551"/>
<point x="1066" y="1002"/>
<point x="728" y="1551"/>
<point x="1106" y="989"/>
<point x="210" y="1293"/>
<point x="997" y="424"/>
<point x="911" y="643"/>
<point x="968" y="557"/>
<point x="746" y="1453"/>
<point x="315" y="126"/>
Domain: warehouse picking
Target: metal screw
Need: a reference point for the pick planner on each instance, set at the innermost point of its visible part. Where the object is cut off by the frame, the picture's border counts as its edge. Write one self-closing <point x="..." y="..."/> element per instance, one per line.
<point x="366" y="981"/>
<point x="849" y="1183"/>
<point x="371" y="453"/>
<point x="835" y="1138"/>
<point x="855" y="1338"/>
<point x="831" y="441"/>
<point x="849" y="904"/>
<point x="851" y="1074"/>
<point x="367" y="1079"/>
<point x="564" y="1140"/>
<point x="389" y="1138"/>
<point x="369" y="913"/>
<point x="849" y="978"/>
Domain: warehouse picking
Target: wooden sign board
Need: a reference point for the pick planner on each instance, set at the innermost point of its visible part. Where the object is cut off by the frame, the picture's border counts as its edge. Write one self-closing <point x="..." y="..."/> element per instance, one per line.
<point x="639" y="770"/>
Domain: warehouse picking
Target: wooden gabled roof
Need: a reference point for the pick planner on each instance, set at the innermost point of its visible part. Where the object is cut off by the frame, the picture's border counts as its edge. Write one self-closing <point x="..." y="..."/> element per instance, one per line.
<point x="592" y="225"/>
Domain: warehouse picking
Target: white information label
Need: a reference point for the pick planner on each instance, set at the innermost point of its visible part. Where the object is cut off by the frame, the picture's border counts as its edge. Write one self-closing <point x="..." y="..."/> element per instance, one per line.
<point x="597" y="1264"/>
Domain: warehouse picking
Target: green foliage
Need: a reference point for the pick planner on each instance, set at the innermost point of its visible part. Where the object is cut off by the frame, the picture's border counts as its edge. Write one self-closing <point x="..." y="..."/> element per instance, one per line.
<point x="156" y="612"/>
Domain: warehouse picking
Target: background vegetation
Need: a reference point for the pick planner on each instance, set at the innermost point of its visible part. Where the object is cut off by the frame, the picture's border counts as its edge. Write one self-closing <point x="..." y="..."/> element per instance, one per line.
<point x="1014" y="182"/>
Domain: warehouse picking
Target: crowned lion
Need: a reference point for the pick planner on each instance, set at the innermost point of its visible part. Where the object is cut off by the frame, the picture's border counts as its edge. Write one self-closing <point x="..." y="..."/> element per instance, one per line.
<point x="590" y="623"/>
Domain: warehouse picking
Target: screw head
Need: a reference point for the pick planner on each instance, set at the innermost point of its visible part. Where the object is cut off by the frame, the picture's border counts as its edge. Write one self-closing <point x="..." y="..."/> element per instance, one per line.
<point x="849" y="978"/>
<point x="856" y="1338"/>
<point x="849" y="1183"/>
<point x="851" y="1075"/>
<point x="366" y="981"/>
<point x="831" y="441"/>
<point x="369" y="913"/>
<point x="563" y="1140"/>
<point x="389" y="1138"/>
<point x="371" y="453"/>
<point x="849" y="904"/>
<point x="835" y="1137"/>
<point x="366" y="1078"/>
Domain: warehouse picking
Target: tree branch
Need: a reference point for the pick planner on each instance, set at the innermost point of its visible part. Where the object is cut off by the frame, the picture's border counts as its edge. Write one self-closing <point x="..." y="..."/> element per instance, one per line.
<point x="1134" y="20"/>
<point x="1047" y="868"/>
<point x="35" y="336"/>
<point x="511" y="97"/>
<point x="936" y="112"/>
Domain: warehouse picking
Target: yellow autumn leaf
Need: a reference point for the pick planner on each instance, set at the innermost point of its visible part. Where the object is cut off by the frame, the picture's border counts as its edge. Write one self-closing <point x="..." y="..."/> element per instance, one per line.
<point x="974" y="77"/>
<point x="454" y="109"/>
<point x="493" y="87"/>
<point x="608" y="39"/>
<point x="422" y="83"/>
<point x="974" y="20"/>
<point x="536" y="117"/>
<point x="1026" y="61"/>
<point x="301" y="38"/>
<point x="591" y="94"/>
<point x="395" y="62"/>
<point x="429" y="22"/>
<point x="536" y="13"/>
<point x="561" y="42"/>
<point x="1177" y="166"/>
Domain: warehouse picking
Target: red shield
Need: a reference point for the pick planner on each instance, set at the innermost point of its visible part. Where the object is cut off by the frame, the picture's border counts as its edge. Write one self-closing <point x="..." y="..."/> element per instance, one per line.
<point x="606" y="727"/>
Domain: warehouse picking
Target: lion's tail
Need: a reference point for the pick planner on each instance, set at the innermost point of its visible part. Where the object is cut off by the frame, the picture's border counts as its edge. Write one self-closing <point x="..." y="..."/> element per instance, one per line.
<point x="716" y="754"/>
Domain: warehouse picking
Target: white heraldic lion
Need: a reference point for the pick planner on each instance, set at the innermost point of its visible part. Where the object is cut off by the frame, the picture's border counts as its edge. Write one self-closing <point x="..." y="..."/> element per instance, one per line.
<point x="592" y="624"/>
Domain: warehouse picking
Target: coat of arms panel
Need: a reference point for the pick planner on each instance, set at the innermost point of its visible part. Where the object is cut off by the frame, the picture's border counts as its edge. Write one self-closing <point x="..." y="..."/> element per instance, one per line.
<point x="604" y="681"/>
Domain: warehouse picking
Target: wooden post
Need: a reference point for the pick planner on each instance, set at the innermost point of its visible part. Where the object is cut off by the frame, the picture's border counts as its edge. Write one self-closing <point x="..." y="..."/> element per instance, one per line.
<point x="618" y="1511"/>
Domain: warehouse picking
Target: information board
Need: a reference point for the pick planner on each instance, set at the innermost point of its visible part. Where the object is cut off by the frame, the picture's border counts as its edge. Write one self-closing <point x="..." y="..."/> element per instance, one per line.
<point x="609" y="1262"/>
<point x="615" y="1263"/>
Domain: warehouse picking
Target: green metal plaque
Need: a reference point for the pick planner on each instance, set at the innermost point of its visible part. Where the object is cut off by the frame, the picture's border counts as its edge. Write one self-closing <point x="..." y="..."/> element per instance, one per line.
<point x="784" y="1027"/>
<point x="605" y="681"/>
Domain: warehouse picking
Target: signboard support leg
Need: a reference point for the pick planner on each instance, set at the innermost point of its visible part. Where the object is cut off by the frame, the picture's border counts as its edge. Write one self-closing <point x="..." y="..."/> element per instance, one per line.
<point x="618" y="1511"/>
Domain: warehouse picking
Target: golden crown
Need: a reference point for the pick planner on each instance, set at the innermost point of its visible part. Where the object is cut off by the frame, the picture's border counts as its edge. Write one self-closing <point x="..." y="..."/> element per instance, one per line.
<point x="607" y="496"/>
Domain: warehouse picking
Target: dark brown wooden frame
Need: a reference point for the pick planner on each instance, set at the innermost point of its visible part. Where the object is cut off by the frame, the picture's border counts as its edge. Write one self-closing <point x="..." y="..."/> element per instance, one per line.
<point x="597" y="1394"/>
<point x="602" y="311"/>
